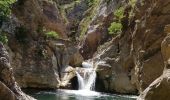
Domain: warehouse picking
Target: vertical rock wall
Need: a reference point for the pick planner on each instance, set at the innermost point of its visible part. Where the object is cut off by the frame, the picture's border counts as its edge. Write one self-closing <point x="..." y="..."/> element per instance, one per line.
<point x="9" y="89"/>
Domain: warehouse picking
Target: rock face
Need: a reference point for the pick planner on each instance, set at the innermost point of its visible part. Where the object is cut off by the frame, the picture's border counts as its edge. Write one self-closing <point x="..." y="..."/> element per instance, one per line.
<point x="159" y="89"/>
<point x="147" y="47"/>
<point x="97" y="32"/>
<point x="74" y="15"/>
<point x="38" y="61"/>
<point x="115" y="73"/>
<point x="9" y="90"/>
<point x="135" y="55"/>
<point x="37" y="14"/>
<point x="42" y="65"/>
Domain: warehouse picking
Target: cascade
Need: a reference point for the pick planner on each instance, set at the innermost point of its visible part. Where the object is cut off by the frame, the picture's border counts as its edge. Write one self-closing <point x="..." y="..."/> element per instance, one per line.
<point x="87" y="80"/>
<point x="87" y="76"/>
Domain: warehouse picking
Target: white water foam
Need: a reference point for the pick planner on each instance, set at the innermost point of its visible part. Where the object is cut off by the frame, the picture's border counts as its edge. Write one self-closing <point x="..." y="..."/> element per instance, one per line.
<point x="87" y="80"/>
<point x="81" y="92"/>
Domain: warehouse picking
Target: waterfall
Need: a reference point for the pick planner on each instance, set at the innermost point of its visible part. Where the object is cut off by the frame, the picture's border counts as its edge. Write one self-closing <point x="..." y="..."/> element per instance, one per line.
<point x="80" y="81"/>
<point x="86" y="78"/>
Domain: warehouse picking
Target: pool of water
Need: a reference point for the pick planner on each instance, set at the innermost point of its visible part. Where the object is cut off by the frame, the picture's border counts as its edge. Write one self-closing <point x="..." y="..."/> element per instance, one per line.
<point x="76" y="95"/>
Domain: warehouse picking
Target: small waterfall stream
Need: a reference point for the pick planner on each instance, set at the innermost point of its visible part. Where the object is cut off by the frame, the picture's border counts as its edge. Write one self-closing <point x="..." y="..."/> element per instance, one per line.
<point x="87" y="77"/>
<point x="80" y="81"/>
<point x="87" y="81"/>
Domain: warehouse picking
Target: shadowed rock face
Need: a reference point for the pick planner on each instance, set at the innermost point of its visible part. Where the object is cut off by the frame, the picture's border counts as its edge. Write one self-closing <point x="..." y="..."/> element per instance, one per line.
<point x="9" y="90"/>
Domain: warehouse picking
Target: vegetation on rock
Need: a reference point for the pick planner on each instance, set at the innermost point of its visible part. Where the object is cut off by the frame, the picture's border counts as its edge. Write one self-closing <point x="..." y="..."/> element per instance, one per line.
<point x="5" y="12"/>
<point x="89" y="14"/>
<point x="3" y="38"/>
<point x="52" y="34"/>
<point x="5" y="9"/>
<point x="66" y="8"/>
<point x="90" y="2"/>
<point x="132" y="4"/>
<point x="116" y="26"/>
<point x="119" y="13"/>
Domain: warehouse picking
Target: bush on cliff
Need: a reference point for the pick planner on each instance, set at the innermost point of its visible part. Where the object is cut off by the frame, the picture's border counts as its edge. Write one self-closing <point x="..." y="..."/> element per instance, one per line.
<point x="52" y="34"/>
<point x="116" y="26"/>
<point x="5" y="9"/>
<point x="3" y="37"/>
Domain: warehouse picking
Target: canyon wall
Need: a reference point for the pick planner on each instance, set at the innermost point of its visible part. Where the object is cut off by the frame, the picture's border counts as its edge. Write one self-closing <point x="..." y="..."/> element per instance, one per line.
<point x="134" y="60"/>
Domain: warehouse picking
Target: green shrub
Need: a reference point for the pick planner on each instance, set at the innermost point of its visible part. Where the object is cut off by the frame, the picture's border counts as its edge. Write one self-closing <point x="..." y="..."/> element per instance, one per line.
<point x="52" y="34"/>
<point x="115" y="28"/>
<point x="119" y="13"/>
<point x="5" y="7"/>
<point x="132" y="4"/>
<point x="3" y="38"/>
<point x="5" y="11"/>
<point x="90" y="2"/>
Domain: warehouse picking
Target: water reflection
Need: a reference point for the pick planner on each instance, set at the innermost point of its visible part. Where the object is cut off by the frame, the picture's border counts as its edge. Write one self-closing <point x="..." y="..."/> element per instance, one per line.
<point x="72" y="95"/>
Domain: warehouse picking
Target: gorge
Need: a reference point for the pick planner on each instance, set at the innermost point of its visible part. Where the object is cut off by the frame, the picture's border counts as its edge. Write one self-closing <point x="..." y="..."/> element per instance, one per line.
<point x="84" y="49"/>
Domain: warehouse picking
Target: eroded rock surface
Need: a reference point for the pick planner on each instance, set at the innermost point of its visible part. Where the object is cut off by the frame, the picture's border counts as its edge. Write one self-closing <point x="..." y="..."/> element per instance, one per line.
<point x="97" y="32"/>
<point x="39" y="61"/>
<point x="9" y="90"/>
<point x="135" y="56"/>
<point x="37" y="14"/>
<point x="159" y="89"/>
<point x="115" y="72"/>
<point x="43" y="65"/>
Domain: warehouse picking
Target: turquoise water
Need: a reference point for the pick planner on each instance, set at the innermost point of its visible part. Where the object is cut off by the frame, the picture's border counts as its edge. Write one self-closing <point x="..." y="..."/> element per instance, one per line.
<point x="77" y="95"/>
